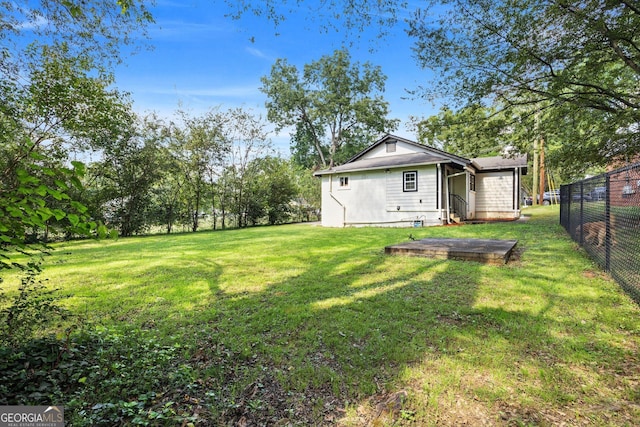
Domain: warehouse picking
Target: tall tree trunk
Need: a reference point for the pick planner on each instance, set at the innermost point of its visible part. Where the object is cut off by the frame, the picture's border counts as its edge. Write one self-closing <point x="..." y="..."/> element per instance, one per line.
<point x="196" y="211"/>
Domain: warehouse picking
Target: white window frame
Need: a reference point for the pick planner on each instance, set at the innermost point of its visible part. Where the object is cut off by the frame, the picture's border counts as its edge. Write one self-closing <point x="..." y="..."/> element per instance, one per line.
<point x="344" y="182"/>
<point x="412" y="182"/>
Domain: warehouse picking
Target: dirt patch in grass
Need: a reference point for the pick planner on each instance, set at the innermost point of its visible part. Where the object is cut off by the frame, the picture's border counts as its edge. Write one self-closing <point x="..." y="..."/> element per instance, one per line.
<point x="594" y="274"/>
<point x="398" y="408"/>
<point x="267" y="402"/>
<point x="575" y="415"/>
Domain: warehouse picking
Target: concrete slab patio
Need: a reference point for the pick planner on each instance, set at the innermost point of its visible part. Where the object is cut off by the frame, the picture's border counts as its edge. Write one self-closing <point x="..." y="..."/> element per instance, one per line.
<point x="480" y="250"/>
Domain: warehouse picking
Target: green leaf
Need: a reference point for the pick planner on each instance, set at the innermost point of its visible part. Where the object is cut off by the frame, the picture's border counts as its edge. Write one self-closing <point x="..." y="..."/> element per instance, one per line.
<point x="45" y="213"/>
<point x="76" y="182"/>
<point x="78" y="167"/>
<point x="59" y="214"/>
<point x="14" y="212"/>
<point x="102" y="231"/>
<point x="25" y="178"/>
<point x="58" y="195"/>
<point x="79" y="207"/>
<point x="73" y="219"/>
<point x="61" y="184"/>
<point x="41" y="190"/>
<point x="124" y="6"/>
<point x="36" y="155"/>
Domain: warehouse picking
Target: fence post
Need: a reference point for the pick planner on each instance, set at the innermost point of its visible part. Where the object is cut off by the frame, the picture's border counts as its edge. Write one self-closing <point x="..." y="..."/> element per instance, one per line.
<point x="569" y="220"/>
<point x="607" y="223"/>
<point x="581" y="213"/>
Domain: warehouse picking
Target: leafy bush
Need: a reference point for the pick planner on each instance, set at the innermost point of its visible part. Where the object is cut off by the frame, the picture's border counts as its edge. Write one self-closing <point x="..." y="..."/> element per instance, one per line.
<point x="28" y="313"/>
<point x="102" y="377"/>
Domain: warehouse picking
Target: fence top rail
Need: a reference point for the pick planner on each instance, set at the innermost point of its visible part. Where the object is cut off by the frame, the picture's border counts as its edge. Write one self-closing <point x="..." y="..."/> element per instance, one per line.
<point x="604" y="175"/>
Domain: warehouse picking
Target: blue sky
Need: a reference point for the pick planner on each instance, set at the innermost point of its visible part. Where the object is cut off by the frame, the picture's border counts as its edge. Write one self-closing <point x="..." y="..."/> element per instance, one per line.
<point x="202" y="59"/>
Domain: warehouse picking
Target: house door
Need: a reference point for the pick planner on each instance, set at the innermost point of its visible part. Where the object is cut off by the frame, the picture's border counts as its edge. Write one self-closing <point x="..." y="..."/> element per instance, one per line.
<point x="458" y="196"/>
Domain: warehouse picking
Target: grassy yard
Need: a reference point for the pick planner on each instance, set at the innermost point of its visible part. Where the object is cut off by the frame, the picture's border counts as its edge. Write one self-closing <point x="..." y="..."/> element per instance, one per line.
<point x="303" y="325"/>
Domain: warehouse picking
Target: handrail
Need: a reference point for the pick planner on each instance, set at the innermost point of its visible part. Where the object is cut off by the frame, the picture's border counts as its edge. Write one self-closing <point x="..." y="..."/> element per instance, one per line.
<point x="459" y="206"/>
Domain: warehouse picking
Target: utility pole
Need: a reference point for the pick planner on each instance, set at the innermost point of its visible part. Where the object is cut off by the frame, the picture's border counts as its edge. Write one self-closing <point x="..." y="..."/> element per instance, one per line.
<point x="534" y="196"/>
<point x="542" y="172"/>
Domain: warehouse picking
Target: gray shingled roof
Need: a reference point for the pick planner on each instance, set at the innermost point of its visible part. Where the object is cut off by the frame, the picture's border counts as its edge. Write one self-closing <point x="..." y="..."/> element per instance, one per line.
<point x="391" y="138"/>
<point x="400" y="160"/>
<point x="429" y="157"/>
<point x="497" y="163"/>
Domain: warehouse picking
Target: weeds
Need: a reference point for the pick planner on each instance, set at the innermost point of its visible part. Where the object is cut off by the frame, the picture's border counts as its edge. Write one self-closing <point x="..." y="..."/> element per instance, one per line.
<point x="31" y="310"/>
<point x="102" y="377"/>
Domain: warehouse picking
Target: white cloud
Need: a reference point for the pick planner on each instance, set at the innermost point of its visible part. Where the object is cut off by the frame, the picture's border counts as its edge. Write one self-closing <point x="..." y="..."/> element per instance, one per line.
<point x="257" y="53"/>
<point x="39" y="22"/>
<point x="179" y="29"/>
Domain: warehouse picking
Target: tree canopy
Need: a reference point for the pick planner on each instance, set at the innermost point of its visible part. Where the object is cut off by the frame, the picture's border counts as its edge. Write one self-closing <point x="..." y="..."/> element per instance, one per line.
<point x="335" y="107"/>
<point x="473" y="131"/>
<point x="55" y="61"/>
<point x="94" y="33"/>
<point x="580" y="61"/>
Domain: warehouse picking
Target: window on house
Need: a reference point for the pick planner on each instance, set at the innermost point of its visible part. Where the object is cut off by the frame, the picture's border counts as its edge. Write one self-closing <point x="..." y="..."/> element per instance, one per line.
<point x="391" y="147"/>
<point x="472" y="182"/>
<point x="344" y="182"/>
<point x="410" y="181"/>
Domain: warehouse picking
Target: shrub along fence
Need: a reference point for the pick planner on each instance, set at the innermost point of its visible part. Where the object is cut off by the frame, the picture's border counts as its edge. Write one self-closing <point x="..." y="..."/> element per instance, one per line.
<point x="603" y="215"/>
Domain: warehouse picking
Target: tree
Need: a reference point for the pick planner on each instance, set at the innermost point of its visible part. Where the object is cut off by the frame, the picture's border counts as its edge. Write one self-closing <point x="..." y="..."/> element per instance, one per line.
<point x="472" y="131"/>
<point x="351" y="17"/>
<point x="272" y="190"/>
<point x="578" y="59"/>
<point x="55" y="58"/>
<point x="309" y="199"/>
<point x="248" y="139"/>
<point x="166" y="192"/>
<point x="93" y="33"/>
<point x="200" y="146"/>
<point x="334" y="106"/>
<point x="59" y="107"/>
<point x="123" y="180"/>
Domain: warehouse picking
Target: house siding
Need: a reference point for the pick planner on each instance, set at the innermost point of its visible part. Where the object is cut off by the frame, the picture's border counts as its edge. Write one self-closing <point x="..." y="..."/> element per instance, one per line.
<point x="412" y="201"/>
<point x="332" y="209"/>
<point x="495" y="195"/>
<point x="372" y="198"/>
<point x="401" y="148"/>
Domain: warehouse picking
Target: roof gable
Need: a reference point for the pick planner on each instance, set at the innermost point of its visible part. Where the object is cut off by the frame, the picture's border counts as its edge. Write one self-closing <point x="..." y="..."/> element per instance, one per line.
<point x="403" y="147"/>
<point x="408" y="153"/>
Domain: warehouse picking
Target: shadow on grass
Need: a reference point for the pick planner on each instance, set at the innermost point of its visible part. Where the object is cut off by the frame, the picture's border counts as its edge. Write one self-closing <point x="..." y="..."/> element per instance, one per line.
<point x="331" y="335"/>
<point x="314" y="332"/>
<point x="341" y="342"/>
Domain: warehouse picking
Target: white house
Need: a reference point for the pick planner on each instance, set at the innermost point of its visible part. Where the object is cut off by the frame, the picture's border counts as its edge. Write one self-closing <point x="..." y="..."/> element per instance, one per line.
<point x="397" y="183"/>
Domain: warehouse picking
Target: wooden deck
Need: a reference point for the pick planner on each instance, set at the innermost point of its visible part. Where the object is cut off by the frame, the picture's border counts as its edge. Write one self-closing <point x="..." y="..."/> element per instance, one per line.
<point x="480" y="250"/>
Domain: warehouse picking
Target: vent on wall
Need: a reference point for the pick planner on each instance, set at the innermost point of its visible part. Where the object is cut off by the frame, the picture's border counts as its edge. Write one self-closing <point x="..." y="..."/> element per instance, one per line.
<point x="391" y="146"/>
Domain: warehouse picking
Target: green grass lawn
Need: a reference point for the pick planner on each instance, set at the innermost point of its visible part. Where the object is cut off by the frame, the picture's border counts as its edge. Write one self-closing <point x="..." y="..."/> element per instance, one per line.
<point x="316" y="326"/>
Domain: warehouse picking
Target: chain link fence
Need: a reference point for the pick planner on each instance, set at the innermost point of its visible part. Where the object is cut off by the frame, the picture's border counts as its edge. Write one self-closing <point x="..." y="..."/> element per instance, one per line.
<point x="602" y="214"/>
